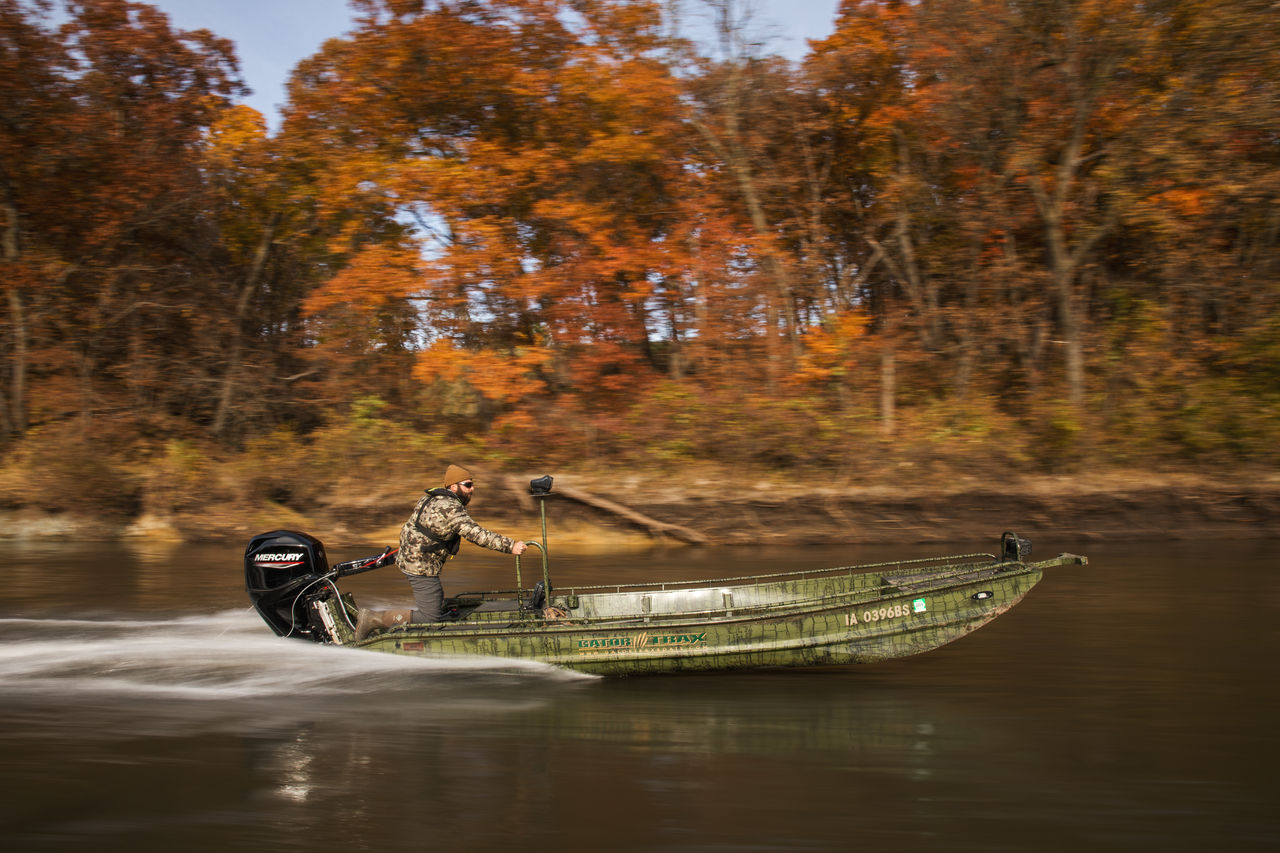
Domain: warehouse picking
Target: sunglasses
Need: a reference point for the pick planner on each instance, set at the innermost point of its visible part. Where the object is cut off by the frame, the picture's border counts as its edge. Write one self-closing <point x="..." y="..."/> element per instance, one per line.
<point x="468" y="485"/>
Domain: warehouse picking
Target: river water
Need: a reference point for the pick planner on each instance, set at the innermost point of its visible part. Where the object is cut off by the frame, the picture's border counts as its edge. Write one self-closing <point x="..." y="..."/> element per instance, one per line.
<point x="1130" y="704"/>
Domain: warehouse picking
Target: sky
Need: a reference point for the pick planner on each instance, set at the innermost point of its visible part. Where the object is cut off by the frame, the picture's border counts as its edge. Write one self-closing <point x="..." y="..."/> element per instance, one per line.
<point x="272" y="36"/>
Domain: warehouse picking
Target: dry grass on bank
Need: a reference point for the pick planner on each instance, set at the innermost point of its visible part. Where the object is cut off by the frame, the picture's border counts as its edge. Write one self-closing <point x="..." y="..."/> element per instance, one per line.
<point x="357" y="487"/>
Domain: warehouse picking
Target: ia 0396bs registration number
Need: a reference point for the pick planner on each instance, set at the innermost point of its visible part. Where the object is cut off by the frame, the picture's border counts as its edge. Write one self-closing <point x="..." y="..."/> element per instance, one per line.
<point x="879" y="614"/>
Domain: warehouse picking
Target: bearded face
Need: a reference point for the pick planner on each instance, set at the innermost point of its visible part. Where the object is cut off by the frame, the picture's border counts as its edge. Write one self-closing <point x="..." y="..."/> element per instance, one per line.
<point x="463" y="491"/>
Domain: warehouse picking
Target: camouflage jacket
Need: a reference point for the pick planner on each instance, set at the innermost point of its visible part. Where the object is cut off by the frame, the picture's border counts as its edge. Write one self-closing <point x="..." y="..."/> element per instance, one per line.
<point x="443" y="514"/>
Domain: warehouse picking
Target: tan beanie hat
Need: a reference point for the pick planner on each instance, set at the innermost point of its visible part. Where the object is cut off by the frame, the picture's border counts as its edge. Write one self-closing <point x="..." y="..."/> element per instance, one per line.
<point x="456" y="474"/>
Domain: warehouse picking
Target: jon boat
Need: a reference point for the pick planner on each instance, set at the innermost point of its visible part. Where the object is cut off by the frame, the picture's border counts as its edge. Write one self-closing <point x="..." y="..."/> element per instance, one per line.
<point x="822" y="617"/>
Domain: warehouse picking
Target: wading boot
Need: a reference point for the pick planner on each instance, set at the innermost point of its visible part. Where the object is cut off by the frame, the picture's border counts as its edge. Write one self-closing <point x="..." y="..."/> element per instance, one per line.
<point x="367" y="620"/>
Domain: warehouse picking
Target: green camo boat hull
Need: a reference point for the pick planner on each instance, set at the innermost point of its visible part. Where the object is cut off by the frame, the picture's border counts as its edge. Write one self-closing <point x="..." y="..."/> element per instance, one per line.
<point x="860" y="617"/>
<point x="823" y="617"/>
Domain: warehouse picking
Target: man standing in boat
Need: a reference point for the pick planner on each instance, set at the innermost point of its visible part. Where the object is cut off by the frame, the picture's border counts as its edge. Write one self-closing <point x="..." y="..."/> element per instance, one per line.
<point x="433" y="534"/>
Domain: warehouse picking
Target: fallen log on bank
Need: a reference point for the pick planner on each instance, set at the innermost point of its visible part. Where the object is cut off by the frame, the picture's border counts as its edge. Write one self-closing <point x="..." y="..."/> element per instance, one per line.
<point x="653" y="525"/>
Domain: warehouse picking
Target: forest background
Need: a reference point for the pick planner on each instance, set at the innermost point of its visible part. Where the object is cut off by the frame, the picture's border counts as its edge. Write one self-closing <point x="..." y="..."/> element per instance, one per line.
<point x="962" y="248"/>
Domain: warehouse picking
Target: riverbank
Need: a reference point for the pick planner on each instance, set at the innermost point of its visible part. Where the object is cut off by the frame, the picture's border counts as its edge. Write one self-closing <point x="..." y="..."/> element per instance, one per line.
<point x="601" y="510"/>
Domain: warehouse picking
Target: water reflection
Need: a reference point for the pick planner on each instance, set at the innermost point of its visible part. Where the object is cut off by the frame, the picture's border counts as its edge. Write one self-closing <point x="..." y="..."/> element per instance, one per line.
<point x="225" y="673"/>
<point x="1122" y="706"/>
<point x="224" y="665"/>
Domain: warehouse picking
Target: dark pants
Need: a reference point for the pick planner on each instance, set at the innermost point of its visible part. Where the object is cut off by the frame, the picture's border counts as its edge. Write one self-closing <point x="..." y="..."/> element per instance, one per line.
<point x="428" y="597"/>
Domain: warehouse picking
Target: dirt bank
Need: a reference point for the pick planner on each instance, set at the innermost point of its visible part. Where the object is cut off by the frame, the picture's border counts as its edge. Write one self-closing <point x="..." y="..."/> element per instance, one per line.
<point x="610" y="510"/>
<point x="1067" y="508"/>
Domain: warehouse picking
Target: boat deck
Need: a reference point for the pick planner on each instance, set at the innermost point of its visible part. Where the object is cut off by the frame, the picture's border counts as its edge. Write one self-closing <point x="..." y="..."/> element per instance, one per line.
<point x="726" y="597"/>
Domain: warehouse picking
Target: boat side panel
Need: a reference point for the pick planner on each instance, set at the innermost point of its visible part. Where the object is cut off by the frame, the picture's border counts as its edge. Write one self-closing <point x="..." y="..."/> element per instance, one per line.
<point x="838" y="632"/>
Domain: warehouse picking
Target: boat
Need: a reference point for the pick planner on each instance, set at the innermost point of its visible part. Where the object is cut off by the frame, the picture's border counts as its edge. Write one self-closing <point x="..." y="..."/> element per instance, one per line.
<point x="814" y="617"/>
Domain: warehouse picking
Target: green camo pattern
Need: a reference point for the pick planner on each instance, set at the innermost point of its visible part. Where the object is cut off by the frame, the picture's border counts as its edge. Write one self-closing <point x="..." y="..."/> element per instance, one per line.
<point x="840" y="616"/>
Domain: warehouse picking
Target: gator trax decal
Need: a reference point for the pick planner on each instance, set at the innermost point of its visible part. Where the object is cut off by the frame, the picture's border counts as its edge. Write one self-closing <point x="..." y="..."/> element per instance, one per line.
<point x="642" y="641"/>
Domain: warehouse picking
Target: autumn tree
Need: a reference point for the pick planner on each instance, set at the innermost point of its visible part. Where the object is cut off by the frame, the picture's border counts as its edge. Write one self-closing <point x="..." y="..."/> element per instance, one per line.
<point x="285" y="234"/>
<point x="108" y="195"/>
<point x="860" y="77"/>
<point x="536" y="147"/>
<point x="34" y="100"/>
<point x="1055" y="215"/>
<point x="734" y="104"/>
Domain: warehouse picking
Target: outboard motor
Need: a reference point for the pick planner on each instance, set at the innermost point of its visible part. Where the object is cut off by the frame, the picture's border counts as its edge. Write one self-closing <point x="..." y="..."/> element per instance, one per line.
<point x="282" y="571"/>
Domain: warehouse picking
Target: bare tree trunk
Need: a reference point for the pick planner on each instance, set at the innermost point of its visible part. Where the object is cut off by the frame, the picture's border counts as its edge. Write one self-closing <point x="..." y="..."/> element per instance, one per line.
<point x="924" y="291"/>
<point x="1065" y="263"/>
<point x="779" y="298"/>
<point x="15" y="414"/>
<point x="734" y="151"/>
<point x="889" y="371"/>
<point x="1055" y="204"/>
<point x="13" y="409"/>
<point x="223" y="415"/>
<point x="676" y="357"/>
<point x="920" y="289"/>
<point x="967" y="341"/>
<point x="888" y="391"/>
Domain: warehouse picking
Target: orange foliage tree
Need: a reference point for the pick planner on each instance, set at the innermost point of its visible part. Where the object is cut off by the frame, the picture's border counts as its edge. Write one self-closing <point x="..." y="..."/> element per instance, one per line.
<point x="541" y="163"/>
<point x="551" y="222"/>
<point x="103" y="199"/>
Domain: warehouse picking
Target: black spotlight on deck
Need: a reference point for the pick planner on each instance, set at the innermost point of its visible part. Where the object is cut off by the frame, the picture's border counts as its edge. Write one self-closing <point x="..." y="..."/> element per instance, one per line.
<point x="540" y="489"/>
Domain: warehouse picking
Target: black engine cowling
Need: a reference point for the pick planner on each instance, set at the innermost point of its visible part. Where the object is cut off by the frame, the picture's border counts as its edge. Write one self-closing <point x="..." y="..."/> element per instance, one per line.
<point x="282" y="569"/>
